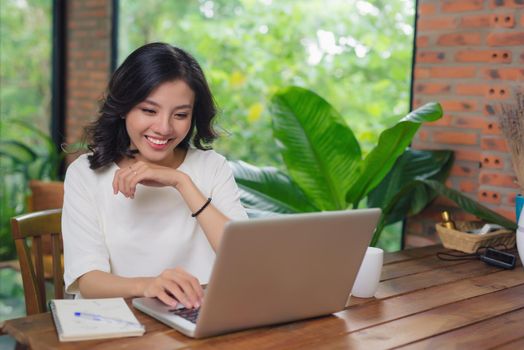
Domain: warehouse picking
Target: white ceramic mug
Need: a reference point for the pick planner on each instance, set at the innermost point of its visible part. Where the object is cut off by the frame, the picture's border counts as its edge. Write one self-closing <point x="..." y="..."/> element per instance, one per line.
<point x="368" y="276"/>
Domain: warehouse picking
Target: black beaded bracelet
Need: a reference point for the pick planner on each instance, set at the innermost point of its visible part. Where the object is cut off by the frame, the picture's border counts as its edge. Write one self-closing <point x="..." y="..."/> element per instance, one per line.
<point x="202" y="209"/>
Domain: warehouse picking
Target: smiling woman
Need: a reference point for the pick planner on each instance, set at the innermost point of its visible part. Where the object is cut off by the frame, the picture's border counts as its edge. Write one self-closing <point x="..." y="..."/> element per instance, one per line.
<point x="145" y="211"/>
<point x="150" y="84"/>
<point x="157" y="125"/>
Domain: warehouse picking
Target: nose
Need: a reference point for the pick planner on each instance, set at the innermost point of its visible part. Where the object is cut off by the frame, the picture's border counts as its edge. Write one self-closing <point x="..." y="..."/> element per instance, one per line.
<point x="162" y="125"/>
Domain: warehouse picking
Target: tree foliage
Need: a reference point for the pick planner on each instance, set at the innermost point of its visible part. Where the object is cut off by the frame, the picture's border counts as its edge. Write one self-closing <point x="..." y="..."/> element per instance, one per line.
<point x="25" y="96"/>
<point x="355" y="53"/>
<point x="25" y="61"/>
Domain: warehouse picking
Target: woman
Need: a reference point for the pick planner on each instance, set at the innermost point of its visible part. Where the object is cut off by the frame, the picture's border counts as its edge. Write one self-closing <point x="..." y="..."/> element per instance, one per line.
<point x="144" y="213"/>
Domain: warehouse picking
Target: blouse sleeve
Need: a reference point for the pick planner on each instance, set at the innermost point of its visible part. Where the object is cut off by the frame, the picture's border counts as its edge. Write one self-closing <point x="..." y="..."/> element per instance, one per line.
<point x="84" y="245"/>
<point x="225" y="193"/>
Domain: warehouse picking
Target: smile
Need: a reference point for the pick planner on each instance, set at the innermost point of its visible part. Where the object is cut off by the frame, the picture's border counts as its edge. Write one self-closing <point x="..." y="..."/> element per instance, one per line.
<point x="157" y="141"/>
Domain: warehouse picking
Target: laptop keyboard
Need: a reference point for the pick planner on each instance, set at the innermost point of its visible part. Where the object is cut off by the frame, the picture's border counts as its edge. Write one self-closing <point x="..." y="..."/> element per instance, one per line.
<point x="189" y="314"/>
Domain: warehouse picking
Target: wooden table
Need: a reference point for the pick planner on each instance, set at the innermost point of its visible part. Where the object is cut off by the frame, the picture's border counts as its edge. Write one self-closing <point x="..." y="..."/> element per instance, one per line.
<point x="422" y="303"/>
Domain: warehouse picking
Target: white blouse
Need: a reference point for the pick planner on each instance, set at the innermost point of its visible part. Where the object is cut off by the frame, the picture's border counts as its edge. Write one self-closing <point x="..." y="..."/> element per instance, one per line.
<point x="143" y="236"/>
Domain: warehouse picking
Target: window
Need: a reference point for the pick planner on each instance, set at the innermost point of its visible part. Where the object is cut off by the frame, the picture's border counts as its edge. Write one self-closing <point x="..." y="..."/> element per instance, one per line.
<point x="355" y="54"/>
<point x="25" y="61"/>
<point x="25" y="106"/>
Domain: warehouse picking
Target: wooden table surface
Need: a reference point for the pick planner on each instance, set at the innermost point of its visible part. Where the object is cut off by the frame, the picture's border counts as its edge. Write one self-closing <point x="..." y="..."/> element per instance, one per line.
<point x="422" y="303"/>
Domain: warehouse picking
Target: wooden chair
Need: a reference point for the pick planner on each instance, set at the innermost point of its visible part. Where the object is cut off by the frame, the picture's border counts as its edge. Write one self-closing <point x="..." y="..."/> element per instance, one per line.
<point x="46" y="195"/>
<point x="28" y="230"/>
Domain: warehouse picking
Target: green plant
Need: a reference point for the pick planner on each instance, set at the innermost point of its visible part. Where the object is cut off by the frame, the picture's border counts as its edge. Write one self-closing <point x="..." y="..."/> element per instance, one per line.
<point x="11" y="294"/>
<point x="26" y="153"/>
<point x="327" y="170"/>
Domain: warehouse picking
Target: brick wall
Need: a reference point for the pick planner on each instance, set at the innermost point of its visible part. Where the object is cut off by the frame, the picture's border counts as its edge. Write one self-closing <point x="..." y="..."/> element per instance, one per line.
<point x="469" y="57"/>
<point x="88" y="62"/>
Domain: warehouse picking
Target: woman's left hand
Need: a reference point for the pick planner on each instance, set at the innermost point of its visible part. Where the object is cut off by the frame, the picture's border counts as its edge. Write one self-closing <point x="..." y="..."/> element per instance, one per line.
<point x="148" y="174"/>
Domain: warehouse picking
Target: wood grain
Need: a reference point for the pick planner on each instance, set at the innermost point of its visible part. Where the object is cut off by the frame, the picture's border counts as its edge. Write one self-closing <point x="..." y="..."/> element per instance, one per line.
<point x="516" y="344"/>
<point x="430" y="323"/>
<point x="413" y="266"/>
<point x="413" y="253"/>
<point x="432" y="278"/>
<point x="486" y="334"/>
<point x="408" y="304"/>
<point x="378" y="312"/>
<point x="422" y="303"/>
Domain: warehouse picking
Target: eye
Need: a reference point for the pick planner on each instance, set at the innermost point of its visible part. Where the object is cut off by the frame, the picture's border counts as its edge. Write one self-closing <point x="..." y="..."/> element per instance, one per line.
<point x="148" y="111"/>
<point x="181" y="115"/>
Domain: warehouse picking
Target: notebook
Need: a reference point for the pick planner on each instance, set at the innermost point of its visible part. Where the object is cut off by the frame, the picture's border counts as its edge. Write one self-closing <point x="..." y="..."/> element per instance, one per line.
<point x="85" y="319"/>
<point x="276" y="269"/>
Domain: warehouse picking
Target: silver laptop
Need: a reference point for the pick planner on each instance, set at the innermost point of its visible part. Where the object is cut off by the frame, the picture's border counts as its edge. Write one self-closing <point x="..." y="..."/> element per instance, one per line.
<point x="276" y="269"/>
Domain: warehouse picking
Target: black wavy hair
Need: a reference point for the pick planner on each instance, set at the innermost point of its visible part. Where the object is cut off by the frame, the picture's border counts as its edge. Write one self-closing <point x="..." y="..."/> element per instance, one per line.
<point x="142" y="71"/>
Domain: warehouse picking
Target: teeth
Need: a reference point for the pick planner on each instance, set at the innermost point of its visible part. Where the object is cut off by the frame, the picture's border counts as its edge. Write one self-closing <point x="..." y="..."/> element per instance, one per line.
<point x="156" y="141"/>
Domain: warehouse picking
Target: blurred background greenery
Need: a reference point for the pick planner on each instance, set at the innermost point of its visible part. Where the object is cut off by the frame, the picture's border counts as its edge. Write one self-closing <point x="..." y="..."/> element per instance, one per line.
<point x="356" y="54"/>
<point x="25" y="97"/>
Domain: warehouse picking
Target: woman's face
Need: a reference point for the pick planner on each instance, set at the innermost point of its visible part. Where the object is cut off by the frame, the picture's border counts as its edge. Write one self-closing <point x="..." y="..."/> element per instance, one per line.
<point x="159" y="123"/>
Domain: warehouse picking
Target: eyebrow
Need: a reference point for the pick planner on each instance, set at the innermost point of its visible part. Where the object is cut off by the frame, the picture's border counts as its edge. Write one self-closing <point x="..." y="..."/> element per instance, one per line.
<point x="185" y="106"/>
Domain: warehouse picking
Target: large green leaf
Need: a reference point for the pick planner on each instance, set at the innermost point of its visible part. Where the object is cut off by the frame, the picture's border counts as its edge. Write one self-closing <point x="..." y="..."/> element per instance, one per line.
<point x="36" y="156"/>
<point x="17" y="151"/>
<point x="318" y="148"/>
<point x="470" y="205"/>
<point x="392" y="143"/>
<point x="50" y="147"/>
<point x="269" y="189"/>
<point x="461" y="200"/>
<point x="257" y="213"/>
<point x="411" y="165"/>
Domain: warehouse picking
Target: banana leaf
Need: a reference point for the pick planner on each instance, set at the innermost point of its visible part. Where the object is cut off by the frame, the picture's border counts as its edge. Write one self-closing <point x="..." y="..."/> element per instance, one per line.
<point x="391" y="144"/>
<point x="464" y="202"/>
<point x="411" y="165"/>
<point x="268" y="189"/>
<point x="470" y="205"/>
<point x="256" y="213"/>
<point x="320" y="151"/>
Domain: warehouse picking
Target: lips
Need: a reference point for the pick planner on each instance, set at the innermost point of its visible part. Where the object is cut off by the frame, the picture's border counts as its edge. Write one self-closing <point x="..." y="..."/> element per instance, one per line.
<point x="157" y="143"/>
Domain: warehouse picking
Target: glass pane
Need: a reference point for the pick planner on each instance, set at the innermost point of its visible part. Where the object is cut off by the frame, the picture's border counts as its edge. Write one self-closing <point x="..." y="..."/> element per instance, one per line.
<point x="25" y="61"/>
<point x="356" y="54"/>
<point x="25" y="98"/>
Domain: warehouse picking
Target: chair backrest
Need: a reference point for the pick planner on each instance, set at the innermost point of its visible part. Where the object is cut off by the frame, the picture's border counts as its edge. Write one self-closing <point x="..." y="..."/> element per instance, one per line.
<point x="45" y="195"/>
<point x="28" y="230"/>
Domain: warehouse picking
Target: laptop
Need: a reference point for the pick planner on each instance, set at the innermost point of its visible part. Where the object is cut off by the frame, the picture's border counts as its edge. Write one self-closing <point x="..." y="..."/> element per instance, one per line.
<point x="274" y="270"/>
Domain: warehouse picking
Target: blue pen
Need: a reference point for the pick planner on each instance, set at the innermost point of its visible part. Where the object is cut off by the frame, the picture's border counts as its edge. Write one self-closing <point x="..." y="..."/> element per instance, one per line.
<point x="95" y="317"/>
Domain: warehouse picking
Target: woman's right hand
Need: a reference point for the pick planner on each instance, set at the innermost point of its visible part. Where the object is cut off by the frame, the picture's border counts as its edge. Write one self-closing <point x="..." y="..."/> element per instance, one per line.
<point x="175" y="283"/>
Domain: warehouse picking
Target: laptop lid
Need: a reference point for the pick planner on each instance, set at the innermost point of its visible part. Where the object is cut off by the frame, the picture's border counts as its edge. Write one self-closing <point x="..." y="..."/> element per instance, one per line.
<point x="279" y="269"/>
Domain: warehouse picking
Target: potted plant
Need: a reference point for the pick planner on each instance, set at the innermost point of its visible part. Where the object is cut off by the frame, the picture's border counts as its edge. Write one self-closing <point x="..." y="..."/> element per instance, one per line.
<point x="326" y="169"/>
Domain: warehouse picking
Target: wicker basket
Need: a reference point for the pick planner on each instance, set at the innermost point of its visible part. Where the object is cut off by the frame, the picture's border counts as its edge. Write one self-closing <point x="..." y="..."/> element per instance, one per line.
<point x="469" y="243"/>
